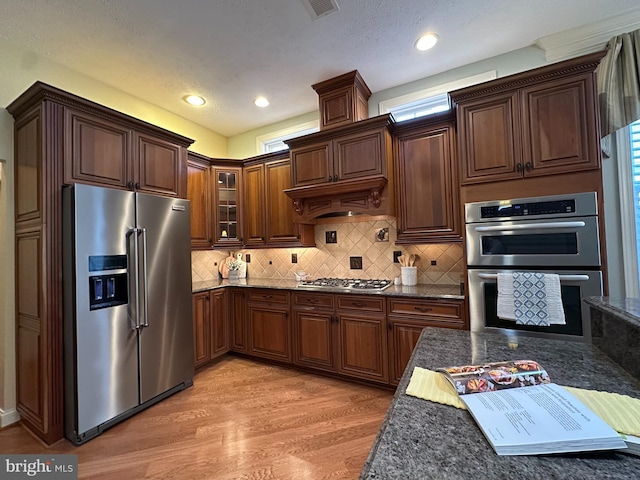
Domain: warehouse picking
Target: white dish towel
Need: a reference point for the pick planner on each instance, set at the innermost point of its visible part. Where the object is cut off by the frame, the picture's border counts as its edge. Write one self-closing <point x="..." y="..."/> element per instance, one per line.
<point x="530" y="298"/>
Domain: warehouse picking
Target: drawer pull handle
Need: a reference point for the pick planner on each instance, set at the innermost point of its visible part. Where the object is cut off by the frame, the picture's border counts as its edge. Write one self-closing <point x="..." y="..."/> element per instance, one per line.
<point x="423" y="309"/>
<point x="312" y="300"/>
<point x="358" y="304"/>
<point x="267" y="296"/>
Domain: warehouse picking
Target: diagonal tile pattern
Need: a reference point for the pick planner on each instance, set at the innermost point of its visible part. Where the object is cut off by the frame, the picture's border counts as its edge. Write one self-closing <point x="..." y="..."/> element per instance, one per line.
<point x="332" y="260"/>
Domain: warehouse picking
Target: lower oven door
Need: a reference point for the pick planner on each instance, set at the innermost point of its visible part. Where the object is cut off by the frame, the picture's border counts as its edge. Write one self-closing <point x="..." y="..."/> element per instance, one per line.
<point x="575" y="286"/>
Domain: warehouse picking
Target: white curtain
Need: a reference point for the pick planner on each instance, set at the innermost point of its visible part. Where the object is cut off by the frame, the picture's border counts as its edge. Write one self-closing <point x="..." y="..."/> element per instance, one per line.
<point x="618" y="79"/>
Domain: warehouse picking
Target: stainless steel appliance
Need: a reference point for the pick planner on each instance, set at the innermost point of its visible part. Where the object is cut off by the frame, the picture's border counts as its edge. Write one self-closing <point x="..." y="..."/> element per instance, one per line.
<point x="128" y="332"/>
<point x="553" y="234"/>
<point x="347" y="283"/>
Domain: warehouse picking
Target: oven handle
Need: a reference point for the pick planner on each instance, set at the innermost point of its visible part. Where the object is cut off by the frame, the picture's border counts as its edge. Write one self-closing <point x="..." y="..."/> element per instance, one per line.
<point x="530" y="226"/>
<point x="565" y="278"/>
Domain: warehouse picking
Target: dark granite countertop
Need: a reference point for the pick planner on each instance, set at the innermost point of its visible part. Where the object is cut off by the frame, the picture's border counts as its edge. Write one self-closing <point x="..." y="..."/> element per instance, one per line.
<point x="424" y="440"/>
<point x="422" y="291"/>
<point x="627" y="308"/>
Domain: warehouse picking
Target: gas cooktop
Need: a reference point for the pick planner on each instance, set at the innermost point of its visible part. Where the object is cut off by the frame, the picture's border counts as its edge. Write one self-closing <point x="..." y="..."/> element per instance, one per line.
<point x="347" y="283"/>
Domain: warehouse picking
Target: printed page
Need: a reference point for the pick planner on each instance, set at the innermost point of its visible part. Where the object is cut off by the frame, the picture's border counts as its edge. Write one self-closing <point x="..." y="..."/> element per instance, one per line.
<point x="539" y="419"/>
<point x="495" y="376"/>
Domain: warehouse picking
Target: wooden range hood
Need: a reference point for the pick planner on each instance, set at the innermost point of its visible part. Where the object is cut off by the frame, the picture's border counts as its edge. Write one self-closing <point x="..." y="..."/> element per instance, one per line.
<point x="346" y="166"/>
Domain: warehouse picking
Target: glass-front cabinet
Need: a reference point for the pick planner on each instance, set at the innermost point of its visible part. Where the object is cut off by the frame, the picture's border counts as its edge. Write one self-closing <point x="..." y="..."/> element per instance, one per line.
<point x="227" y="206"/>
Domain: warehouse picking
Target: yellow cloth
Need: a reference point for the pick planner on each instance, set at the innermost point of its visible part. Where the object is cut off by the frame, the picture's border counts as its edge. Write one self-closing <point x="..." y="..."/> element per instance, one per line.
<point x="621" y="412"/>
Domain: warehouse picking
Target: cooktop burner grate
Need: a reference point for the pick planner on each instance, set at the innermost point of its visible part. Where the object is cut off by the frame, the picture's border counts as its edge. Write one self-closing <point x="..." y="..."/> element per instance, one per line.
<point x="350" y="283"/>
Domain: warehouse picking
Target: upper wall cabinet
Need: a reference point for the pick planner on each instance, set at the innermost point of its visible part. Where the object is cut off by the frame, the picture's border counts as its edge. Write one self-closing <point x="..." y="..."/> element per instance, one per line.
<point x="427" y="180"/>
<point x="199" y="195"/>
<point x="344" y="168"/>
<point x="268" y="211"/>
<point x="227" y="206"/>
<point x="342" y="100"/>
<point x="111" y="152"/>
<point x="541" y="122"/>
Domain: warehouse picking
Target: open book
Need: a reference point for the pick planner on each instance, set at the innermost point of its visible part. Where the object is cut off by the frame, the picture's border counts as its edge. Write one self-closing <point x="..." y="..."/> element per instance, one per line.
<point x="522" y="413"/>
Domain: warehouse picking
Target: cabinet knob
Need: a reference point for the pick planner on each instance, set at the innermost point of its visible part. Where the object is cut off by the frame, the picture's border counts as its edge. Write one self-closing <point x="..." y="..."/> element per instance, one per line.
<point x="335" y="178"/>
<point x="519" y="167"/>
<point x="330" y="178"/>
<point x="130" y="185"/>
<point x="528" y="166"/>
<point x="137" y="185"/>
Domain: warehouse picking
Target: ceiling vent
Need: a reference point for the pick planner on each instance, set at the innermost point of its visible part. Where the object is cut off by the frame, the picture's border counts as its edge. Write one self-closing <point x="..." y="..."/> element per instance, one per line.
<point x="320" y="8"/>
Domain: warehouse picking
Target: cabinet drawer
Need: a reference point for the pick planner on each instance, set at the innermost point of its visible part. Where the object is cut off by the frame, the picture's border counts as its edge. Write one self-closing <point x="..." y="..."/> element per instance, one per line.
<point x="269" y="296"/>
<point x="370" y="304"/>
<point x="318" y="300"/>
<point x="440" y="309"/>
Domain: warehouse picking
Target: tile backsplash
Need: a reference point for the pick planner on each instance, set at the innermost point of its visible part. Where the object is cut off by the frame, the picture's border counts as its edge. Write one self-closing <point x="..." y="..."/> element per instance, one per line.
<point x="357" y="239"/>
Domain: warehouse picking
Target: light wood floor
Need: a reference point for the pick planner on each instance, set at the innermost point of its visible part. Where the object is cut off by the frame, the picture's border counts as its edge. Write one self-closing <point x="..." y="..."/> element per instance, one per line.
<point x="241" y="420"/>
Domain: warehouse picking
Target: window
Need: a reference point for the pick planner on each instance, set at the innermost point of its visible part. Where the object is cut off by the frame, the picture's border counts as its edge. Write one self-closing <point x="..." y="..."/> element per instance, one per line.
<point x="634" y="134"/>
<point x="429" y="101"/>
<point x="274" y="141"/>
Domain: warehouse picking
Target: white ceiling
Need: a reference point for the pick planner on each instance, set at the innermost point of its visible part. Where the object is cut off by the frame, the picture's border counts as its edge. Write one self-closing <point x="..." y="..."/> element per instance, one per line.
<point x="231" y="51"/>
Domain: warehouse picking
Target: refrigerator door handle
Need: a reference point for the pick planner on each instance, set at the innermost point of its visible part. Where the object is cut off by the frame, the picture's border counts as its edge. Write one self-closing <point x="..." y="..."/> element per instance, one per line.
<point x="145" y="286"/>
<point x="136" y="256"/>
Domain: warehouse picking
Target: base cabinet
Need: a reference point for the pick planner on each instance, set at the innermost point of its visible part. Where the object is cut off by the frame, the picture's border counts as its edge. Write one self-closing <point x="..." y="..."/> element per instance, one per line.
<point x="238" y="320"/>
<point x="406" y="319"/>
<point x="210" y="326"/>
<point x="314" y="338"/>
<point x="269" y="325"/>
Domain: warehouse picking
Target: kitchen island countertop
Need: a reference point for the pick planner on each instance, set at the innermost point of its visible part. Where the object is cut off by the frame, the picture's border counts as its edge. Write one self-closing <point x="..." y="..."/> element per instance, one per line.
<point x="423" y="440"/>
<point x="421" y="290"/>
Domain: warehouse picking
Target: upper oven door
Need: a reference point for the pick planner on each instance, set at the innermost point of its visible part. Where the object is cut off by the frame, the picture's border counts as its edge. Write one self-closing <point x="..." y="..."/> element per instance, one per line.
<point x="569" y="242"/>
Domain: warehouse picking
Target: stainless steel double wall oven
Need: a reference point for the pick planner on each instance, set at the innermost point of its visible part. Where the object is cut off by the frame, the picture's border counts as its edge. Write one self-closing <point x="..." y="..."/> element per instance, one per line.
<point x="555" y="234"/>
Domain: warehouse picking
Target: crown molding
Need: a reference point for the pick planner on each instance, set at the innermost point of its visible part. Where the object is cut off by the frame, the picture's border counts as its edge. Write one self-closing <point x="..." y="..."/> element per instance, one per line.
<point x="588" y="38"/>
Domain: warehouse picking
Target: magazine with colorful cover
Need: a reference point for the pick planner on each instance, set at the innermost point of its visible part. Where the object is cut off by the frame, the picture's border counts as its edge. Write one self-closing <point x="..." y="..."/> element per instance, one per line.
<point x="521" y="412"/>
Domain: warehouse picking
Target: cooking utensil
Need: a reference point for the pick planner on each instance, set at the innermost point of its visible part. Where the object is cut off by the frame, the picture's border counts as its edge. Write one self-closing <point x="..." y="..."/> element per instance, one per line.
<point x="402" y="260"/>
<point x="412" y="260"/>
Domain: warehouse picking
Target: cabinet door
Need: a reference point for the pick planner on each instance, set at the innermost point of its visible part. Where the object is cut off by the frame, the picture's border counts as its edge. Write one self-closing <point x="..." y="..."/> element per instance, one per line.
<point x="199" y="195"/>
<point x="428" y="190"/>
<point x="201" y="328"/>
<point x="489" y="139"/>
<point x="227" y="205"/>
<point x="219" y="328"/>
<point x="559" y="127"/>
<point x="96" y="151"/>
<point x="160" y="167"/>
<point x="314" y="339"/>
<point x="363" y="347"/>
<point x="403" y="337"/>
<point x="312" y="164"/>
<point x="238" y="315"/>
<point x="254" y="206"/>
<point x="279" y="207"/>
<point x="269" y="332"/>
<point x="359" y="155"/>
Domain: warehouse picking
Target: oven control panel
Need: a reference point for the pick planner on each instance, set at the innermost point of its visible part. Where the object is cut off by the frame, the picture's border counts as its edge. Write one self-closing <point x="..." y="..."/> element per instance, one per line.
<point x="524" y="209"/>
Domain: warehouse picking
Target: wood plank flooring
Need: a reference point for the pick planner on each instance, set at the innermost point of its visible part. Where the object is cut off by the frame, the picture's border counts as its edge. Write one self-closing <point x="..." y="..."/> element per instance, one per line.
<point x="241" y="420"/>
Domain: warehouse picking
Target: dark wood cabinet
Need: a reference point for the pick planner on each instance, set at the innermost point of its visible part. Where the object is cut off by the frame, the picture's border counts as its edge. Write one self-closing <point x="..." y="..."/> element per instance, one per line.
<point x="269" y="324"/>
<point x="227" y="206"/>
<point x="346" y="168"/>
<point x="238" y="320"/>
<point x="407" y="317"/>
<point x="106" y="152"/>
<point x="428" y="188"/>
<point x="199" y="195"/>
<point x="314" y="336"/>
<point x="537" y="123"/>
<point x="362" y="338"/>
<point x="210" y="326"/>
<point x="61" y="138"/>
<point x="268" y="211"/>
<point x="342" y="100"/>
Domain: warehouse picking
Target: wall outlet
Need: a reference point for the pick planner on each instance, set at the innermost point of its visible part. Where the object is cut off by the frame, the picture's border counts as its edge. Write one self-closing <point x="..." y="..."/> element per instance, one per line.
<point x="355" y="263"/>
<point x="433" y="262"/>
<point x="396" y="254"/>
<point x="331" y="236"/>
<point x="270" y="262"/>
<point x="247" y="257"/>
<point x="294" y="258"/>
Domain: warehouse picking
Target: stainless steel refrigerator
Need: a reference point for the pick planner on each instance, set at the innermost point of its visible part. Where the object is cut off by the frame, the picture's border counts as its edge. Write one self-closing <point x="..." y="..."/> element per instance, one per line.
<point x="128" y="331"/>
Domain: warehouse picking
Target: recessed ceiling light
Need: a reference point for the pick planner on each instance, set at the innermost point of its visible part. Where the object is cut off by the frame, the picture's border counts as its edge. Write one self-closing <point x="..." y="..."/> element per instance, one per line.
<point x="427" y="41"/>
<point x="195" y="100"/>
<point x="261" y="102"/>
